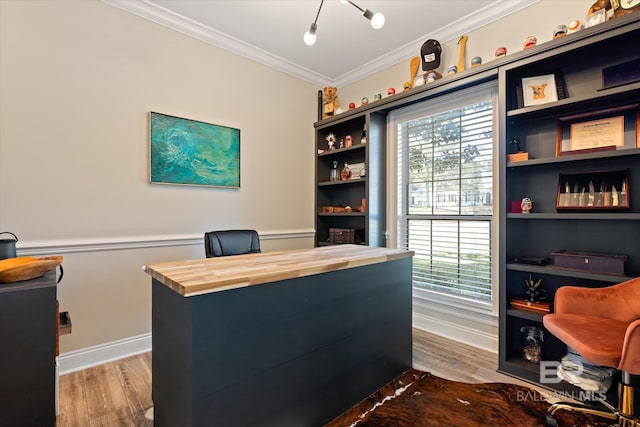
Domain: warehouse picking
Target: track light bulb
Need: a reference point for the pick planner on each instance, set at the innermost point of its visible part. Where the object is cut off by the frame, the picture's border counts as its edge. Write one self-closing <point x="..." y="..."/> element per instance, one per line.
<point x="310" y="36"/>
<point x="377" y="21"/>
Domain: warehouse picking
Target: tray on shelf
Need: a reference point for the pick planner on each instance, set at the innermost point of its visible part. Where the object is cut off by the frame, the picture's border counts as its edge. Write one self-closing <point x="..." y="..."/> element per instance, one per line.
<point x="536" y="307"/>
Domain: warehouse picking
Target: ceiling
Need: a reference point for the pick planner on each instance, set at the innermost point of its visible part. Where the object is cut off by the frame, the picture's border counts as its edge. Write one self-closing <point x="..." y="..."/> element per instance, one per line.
<point x="347" y="47"/>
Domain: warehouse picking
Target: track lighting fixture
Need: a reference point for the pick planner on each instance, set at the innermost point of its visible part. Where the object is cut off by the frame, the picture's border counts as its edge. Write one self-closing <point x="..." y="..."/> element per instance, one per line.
<point x="376" y="19"/>
<point x="310" y="36"/>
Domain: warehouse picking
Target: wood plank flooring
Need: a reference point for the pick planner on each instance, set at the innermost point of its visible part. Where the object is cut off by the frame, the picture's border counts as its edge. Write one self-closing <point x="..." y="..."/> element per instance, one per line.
<point x="118" y="393"/>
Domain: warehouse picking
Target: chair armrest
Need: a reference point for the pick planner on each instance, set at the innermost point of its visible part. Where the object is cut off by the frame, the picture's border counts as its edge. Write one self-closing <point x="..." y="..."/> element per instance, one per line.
<point x="630" y="361"/>
<point x="600" y="302"/>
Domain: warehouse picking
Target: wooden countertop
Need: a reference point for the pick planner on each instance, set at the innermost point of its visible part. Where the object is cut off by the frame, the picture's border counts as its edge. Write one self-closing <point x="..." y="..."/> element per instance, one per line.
<point x="201" y="276"/>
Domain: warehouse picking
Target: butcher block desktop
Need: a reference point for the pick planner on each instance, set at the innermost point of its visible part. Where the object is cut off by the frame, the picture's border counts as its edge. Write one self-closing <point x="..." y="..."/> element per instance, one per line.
<point x="289" y="338"/>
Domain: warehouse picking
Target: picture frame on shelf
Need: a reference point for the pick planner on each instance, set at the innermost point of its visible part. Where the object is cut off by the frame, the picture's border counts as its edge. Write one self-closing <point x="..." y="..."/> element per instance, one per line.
<point x="539" y="90"/>
<point x="595" y="191"/>
<point x="602" y="130"/>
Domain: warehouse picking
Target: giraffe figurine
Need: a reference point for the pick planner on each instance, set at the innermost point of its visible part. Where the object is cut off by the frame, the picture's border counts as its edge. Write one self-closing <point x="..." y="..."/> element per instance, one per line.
<point x="463" y="45"/>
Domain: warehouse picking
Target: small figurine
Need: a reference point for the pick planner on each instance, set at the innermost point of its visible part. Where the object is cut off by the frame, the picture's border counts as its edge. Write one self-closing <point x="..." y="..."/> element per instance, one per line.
<point x="530" y="41"/>
<point x="352" y="105"/>
<point x="363" y="138"/>
<point x="431" y="77"/>
<point x="348" y="141"/>
<point x="533" y="290"/>
<point x="560" y="31"/>
<point x="391" y="91"/>
<point x="475" y="61"/>
<point x="452" y="70"/>
<point x="377" y="96"/>
<point x="500" y="52"/>
<point x="526" y="205"/>
<point x="364" y="100"/>
<point x="342" y="143"/>
<point x="331" y="140"/>
<point x="330" y="102"/>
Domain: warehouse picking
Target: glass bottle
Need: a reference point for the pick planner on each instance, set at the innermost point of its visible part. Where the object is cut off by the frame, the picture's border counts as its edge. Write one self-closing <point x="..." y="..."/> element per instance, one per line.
<point x="334" y="172"/>
<point x="346" y="172"/>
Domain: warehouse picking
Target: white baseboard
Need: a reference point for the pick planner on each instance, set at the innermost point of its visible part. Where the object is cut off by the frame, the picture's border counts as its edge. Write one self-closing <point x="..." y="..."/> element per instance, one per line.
<point x="454" y="331"/>
<point x="103" y="353"/>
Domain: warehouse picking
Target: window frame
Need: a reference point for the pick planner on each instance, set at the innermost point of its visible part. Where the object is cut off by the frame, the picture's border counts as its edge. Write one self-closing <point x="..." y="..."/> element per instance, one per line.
<point x="435" y="105"/>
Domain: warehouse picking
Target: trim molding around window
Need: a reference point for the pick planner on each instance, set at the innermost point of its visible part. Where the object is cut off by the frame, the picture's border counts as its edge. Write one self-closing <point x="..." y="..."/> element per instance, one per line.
<point x="442" y="187"/>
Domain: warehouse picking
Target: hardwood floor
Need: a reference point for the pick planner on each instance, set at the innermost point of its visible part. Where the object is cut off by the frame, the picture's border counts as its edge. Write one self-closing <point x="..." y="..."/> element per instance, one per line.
<point x="119" y="393"/>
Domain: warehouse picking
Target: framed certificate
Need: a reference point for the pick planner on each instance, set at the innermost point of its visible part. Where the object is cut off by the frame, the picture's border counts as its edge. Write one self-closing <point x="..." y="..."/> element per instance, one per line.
<point x="608" y="129"/>
<point x="599" y="133"/>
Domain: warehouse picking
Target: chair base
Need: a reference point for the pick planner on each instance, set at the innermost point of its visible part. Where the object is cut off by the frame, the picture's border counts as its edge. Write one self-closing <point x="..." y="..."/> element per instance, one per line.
<point x="623" y="414"/>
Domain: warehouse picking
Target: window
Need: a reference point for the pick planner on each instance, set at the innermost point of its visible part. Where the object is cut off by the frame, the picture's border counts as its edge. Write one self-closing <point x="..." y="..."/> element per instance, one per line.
<point x="445" y="192"/>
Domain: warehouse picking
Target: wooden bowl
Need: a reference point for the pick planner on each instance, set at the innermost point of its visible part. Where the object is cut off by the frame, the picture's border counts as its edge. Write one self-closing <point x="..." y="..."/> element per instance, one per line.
<point x="26" y="268"/>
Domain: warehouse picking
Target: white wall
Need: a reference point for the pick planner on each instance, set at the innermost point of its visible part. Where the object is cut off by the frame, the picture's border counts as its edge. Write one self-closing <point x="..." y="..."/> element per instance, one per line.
<point x="78" y="79"/>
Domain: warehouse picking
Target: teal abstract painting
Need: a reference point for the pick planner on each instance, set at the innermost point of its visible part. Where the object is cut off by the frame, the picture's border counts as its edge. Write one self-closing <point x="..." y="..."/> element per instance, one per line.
<point x="190" y="152"/>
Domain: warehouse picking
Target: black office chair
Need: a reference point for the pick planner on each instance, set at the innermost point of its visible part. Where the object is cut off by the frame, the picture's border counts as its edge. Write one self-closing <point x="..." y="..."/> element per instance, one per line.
<point x="231" y="242"/>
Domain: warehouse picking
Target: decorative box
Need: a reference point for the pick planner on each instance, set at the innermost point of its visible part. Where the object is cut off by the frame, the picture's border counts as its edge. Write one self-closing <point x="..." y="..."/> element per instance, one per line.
<point x="591" y="262"/>
<point x="341" y="235"/>
<point x="593" y="191"/>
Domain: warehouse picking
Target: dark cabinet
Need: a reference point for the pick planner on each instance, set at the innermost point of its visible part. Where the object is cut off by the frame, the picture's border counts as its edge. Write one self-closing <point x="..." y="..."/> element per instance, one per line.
<point x="28" y="352"/>
<point x="560" y="162"/>
<point x="353" y="201"/>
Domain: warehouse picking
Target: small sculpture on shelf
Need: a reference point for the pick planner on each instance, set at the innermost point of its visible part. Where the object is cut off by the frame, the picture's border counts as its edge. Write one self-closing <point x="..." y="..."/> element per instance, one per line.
<point x="346" y="172"/>
<point x="334" y="172"/>
<point x="331" y="141"/>
<point x="348" y="141"/>
<point x="526" y="205"/>
<point x="533" y="290"/>
<point x="330" y="102"/>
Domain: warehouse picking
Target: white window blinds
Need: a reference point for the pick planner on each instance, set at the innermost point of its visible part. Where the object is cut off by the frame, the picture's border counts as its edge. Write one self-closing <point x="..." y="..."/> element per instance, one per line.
<point x="445" y="193"/>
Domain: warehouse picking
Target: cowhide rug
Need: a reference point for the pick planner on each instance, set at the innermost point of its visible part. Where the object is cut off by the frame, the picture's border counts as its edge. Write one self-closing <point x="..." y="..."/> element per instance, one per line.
<point x="417" y="399"/>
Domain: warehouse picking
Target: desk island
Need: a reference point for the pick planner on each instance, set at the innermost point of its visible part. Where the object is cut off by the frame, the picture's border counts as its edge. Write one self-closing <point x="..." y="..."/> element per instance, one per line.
<point x="290" y="338"/>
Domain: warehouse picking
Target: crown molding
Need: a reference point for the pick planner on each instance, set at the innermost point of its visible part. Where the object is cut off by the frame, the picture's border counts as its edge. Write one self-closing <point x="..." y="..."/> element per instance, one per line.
<point x="162" y="16"/>
<point x="167" y="18"/>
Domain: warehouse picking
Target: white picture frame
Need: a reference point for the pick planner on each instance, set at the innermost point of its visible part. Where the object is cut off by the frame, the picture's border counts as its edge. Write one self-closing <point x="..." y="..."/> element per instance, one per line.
<point x="539" y="90"/>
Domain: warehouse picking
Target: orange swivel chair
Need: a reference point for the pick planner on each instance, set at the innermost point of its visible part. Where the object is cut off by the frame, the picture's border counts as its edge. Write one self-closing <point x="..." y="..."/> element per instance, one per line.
<point x="603" y="326"/>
